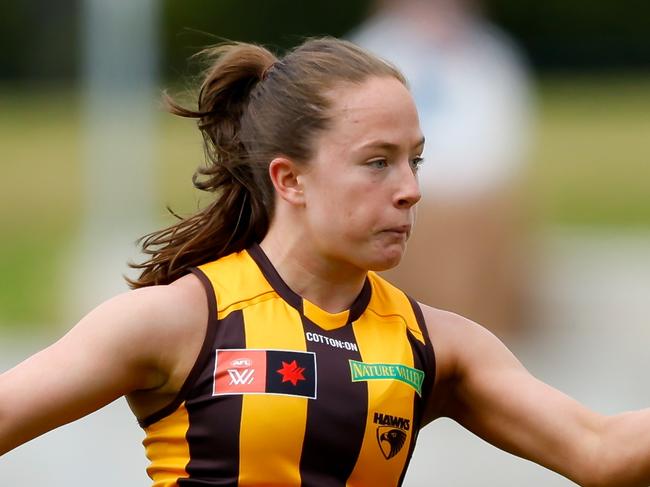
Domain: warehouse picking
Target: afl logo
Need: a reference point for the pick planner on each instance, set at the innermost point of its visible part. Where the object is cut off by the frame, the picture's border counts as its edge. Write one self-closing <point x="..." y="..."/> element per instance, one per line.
<point x="391" y="433"/>
<point x="241" y="363"/>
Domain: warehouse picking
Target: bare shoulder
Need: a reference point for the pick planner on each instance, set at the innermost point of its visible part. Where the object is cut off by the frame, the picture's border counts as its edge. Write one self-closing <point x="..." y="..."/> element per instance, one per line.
<point x="448" y="331"/>
<point x="161" y="312"/>
<point x="172" y="332"/>
<point x="188" y="311"/>
<point x="179" y="306"/>
<point x="144" y="328"/>
<point x="175" y="322"/>
<point x="462" y="347"/>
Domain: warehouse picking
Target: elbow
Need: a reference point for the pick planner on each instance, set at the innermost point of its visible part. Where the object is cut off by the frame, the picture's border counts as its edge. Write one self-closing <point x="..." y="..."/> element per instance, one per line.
<point x="596" y="476"/>
<point x="618" y="455"/>
<point x="594" y="481"/>
<point x="4" y="436"/>
<point x="593" y="467"/>
<point x="596" y="472"/>
<point x="9" y="436"/>
<point x="590" y="478"/>
<point x="610" y="469"/>
<point x="613" y="478"/>
<point x="605" y="480"/>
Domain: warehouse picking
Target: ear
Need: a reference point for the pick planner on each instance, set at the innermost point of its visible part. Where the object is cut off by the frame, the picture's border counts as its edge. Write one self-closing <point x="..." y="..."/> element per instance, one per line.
<point x="285" y="175"/>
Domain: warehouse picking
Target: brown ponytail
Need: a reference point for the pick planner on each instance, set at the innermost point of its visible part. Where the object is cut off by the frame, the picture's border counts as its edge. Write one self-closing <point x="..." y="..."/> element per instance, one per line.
<point x="251" y="107"/>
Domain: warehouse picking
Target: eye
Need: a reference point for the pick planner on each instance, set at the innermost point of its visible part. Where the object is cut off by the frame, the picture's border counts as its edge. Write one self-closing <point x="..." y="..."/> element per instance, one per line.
<point x="378" y="163"/>
<point x="417" y="162"/>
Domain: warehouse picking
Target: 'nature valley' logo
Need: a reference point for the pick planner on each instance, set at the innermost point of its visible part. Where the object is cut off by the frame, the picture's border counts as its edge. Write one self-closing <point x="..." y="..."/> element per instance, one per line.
<point x="362" y="371"/>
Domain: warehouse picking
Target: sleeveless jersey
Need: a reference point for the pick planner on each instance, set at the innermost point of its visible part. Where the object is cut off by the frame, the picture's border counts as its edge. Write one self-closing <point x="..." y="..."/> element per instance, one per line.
<point x="284" y="393"/>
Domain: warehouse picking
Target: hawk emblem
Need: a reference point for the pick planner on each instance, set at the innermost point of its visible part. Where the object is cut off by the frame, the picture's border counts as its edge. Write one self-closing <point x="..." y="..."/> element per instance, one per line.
<point x="391" y="440"/>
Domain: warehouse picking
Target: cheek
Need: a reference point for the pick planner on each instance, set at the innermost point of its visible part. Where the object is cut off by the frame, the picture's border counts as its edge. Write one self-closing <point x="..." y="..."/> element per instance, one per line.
<point x="355" y="221"/>
<point x="343" y="208"/>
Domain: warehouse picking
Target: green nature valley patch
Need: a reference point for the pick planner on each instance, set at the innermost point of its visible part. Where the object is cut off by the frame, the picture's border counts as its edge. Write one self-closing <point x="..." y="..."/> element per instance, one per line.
<point x="362" y="371"/>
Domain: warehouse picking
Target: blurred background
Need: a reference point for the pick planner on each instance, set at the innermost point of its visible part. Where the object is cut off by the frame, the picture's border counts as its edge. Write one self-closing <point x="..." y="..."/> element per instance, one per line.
<point x="535" y="218"/>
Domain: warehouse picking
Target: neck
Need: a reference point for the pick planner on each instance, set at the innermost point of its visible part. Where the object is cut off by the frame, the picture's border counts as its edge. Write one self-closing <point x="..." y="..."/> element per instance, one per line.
<point x="330" y="285"/>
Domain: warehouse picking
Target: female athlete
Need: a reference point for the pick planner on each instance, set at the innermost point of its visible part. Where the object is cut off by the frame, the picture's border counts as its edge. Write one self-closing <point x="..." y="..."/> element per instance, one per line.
<point x="259" y="347"/>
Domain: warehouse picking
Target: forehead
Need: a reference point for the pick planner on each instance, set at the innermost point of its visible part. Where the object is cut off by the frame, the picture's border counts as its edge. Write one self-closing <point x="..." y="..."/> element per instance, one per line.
<point x="378" y="109"/>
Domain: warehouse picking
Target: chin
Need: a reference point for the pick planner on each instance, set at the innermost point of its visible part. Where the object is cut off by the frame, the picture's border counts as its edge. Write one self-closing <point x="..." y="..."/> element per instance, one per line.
<point x="384" y="266"/>
<point x="387" y="262"/>
<point x="374" y="257"/>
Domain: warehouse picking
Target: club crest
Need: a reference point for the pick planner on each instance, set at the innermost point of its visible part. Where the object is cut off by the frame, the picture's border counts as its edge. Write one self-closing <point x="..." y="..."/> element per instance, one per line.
<point x="391" y="433"/>
<point x="391" y="440"/>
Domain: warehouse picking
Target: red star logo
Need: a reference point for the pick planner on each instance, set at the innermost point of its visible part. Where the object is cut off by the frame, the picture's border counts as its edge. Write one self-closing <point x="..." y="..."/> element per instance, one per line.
<point x="290" y="372"/>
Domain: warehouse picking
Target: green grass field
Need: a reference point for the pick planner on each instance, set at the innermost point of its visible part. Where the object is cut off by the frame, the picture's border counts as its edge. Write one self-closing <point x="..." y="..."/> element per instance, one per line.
<point x="590" y="167"/>
<point x="591" y="163"/>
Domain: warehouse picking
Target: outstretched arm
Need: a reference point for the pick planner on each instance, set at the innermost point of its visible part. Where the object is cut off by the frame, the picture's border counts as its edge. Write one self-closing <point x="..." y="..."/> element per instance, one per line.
<point x="116" y="349"/>
<point x="488" y="391"/>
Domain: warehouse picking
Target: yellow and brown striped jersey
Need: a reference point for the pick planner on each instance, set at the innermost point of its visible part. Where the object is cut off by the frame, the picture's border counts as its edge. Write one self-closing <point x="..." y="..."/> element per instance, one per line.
<point x="284" y="393"/>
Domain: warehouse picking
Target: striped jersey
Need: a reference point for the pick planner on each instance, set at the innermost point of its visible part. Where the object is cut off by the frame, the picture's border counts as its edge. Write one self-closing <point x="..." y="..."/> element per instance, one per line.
<point x="284" y="393"/>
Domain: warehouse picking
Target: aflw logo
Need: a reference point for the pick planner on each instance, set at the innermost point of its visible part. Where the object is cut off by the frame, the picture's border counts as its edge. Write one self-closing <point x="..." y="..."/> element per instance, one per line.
<point x="257" y="371"/>
<point x="241" y="377"/>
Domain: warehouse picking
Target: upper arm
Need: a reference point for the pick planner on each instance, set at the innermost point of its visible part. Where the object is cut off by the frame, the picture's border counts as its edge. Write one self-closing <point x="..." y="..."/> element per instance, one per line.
<point x="488" y="391"/>
<point x="117" y="348"/>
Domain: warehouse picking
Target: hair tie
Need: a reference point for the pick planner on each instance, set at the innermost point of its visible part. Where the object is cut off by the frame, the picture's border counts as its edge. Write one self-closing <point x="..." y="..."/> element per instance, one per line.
<point x="266" y="71"/>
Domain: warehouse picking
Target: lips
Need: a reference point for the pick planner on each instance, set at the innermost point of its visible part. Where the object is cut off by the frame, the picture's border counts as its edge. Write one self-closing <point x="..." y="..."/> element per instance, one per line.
<point x="399" y="230"/>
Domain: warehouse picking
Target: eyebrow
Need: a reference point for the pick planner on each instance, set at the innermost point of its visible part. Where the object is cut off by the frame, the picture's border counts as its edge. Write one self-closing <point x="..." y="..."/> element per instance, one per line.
<point x="380" y="144"/>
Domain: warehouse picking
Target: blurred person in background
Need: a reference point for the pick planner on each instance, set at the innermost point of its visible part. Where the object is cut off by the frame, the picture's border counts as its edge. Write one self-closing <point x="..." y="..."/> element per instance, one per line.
<point x="472" y="91"/>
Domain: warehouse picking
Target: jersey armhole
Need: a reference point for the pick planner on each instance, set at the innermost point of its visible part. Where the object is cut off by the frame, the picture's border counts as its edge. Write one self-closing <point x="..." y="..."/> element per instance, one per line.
<point x="430" y="355"/>
<point x="201" y="359"/>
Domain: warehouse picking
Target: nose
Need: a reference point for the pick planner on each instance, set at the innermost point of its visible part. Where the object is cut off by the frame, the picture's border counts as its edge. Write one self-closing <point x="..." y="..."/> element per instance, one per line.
<point x="408" y="192"/>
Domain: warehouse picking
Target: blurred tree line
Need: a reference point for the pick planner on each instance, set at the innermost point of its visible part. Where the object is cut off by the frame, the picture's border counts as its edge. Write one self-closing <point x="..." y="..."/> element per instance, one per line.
<point x="41" y="38"/>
